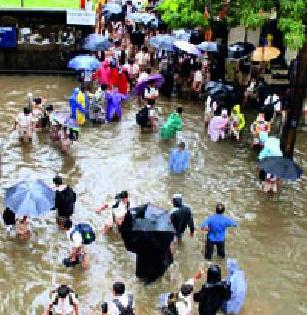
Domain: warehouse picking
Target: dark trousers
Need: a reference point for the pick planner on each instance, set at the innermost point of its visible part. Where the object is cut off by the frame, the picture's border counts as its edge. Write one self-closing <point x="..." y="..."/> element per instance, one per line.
<point x="220" y="246"/>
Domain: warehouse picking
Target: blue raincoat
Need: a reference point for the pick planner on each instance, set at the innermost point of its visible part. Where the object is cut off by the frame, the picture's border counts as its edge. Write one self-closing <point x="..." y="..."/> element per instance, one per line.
<point x="238" y="283"/>
<point x="179" y="161"/>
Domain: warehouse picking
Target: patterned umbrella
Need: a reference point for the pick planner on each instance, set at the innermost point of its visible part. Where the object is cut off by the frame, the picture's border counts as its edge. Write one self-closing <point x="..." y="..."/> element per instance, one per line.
<point x="30" y="198"/>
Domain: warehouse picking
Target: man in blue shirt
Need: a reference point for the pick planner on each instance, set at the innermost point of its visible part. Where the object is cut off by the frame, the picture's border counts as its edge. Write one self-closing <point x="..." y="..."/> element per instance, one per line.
<point x="216" y="226"/>
<point x="179" y="159"/>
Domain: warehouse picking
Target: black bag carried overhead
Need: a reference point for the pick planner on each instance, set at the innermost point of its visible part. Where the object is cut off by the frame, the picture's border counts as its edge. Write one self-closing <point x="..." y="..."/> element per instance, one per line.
<point x="125" y="310"/>
<point x="65" y="201"/>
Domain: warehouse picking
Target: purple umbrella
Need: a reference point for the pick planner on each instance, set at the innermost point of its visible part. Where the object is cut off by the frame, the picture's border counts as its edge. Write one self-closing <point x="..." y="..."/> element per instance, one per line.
<point x="141" y="86"/>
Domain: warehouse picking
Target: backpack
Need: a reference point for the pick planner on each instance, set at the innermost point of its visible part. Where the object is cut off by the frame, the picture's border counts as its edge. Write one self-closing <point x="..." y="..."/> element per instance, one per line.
<point x="142" y="117"/>
<point x="125" y="310"/>
<point x="86" y="231"/>
<point x="65" y="201"/>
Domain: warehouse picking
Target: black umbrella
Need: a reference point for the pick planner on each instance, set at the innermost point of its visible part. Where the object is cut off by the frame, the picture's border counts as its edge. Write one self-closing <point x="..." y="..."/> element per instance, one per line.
<point x="148" y="232"/>
<point x="240" y="49"/>
<point x="281" y="167"/>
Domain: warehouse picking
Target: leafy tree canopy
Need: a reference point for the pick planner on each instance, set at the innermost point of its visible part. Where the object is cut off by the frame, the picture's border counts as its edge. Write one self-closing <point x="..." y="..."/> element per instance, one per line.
<point x="192" y="13"/>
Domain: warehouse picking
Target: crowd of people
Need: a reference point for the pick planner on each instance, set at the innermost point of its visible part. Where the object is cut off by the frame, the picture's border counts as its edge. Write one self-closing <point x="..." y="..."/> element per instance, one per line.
<point x="131" y="68"/>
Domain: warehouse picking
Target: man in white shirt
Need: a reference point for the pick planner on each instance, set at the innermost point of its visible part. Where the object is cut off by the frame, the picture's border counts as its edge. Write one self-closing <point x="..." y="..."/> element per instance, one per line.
<point x="116" y="212"/>
<point x="25" y="125"/>
<point x="63" y="302"/>
<point x="120" y="302"/>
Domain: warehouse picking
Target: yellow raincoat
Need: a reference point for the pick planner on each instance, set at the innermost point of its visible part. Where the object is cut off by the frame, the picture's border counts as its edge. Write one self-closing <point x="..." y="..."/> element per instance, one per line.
<point x="81" y="100"/>
<point x="236" y="115"/>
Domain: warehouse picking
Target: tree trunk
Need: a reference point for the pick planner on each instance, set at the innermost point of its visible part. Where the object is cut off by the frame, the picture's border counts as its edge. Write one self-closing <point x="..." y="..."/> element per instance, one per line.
<point x="22" y="3"/>
<point x="298" y="92"/>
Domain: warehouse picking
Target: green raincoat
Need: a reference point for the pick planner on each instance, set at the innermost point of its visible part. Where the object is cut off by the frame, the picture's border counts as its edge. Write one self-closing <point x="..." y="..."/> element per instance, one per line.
<point x="172" y="125"/>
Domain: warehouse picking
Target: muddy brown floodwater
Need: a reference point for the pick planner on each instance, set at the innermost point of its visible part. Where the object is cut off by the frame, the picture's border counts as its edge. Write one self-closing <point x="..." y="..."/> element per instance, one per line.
<point x="270" y="242"/>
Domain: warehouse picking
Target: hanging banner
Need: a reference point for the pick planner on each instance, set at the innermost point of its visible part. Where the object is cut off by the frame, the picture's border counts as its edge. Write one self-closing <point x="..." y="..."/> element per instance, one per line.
<point x="80" y="17"/>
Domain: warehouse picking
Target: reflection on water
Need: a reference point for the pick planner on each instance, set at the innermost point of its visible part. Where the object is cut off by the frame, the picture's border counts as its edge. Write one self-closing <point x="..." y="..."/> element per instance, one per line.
<point x="270" y="242"/>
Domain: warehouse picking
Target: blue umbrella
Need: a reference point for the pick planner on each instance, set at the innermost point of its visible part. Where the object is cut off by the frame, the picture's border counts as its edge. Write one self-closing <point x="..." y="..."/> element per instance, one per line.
<point x="95" y="42"/>
<point x="163" y="42"/>
<point x="182" y="35"/>
<point x="281" y="167"/>
<point x="142" y="18"/>
<point x="30" y="198"/>
<point x="84" y="62"/>
<point x="187" y="47"/>
<point x="111" y="8"/>
<point x="208" y="46"/>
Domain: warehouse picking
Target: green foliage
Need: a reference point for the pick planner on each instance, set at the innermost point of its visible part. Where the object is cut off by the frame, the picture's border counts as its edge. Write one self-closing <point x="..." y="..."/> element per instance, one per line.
<point x="190" y="13"/>
<point x="182" y="13"/>
<point x="294" y="35"/>
<point x="249" y="18"/>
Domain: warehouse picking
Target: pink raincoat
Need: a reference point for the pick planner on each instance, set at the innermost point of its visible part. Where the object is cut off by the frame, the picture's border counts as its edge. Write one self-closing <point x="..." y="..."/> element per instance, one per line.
<point x="216" y="128"/>
<point x="103" y="73"/>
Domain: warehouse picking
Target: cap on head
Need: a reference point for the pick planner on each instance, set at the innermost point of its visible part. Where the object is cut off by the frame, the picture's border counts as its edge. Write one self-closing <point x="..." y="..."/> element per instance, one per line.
<point x="177" y="200"/>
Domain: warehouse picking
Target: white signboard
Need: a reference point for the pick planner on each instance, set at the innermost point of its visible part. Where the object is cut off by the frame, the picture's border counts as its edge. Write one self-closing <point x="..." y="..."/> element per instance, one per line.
<point x="80" y="17"/>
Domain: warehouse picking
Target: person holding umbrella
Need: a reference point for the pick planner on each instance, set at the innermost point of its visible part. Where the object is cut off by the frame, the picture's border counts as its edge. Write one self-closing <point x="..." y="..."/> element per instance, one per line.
<point x="23" y="232"/>
<point x="28" y="199"/>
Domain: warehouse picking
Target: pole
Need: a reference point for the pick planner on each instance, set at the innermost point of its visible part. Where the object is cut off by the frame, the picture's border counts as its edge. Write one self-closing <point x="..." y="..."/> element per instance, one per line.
<point x="22" y="3"/>
<point x="298" y="89"/>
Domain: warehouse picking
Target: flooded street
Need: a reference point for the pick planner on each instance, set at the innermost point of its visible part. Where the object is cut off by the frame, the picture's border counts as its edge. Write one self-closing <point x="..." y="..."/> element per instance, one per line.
<point x="270" y="242"/>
